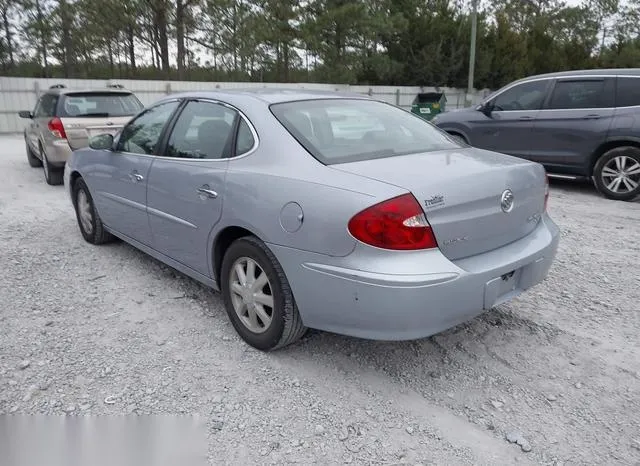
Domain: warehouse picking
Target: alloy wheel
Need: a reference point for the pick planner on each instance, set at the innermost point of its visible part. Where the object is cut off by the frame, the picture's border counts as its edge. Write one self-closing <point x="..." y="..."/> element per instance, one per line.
<point x="251" y="294"/>
<point x="85" y="212"/>
<point x="621" y="174"/>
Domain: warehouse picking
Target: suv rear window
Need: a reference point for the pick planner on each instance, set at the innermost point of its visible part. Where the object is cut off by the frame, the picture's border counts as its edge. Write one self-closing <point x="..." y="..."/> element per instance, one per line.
<point x="350" y="130"/>
<point x="94" y="104"/>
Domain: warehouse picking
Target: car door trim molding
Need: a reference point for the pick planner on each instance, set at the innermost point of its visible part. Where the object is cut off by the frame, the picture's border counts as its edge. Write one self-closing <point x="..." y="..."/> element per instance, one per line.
<point x="172" y="218"/>
<point x="122" y="200"/>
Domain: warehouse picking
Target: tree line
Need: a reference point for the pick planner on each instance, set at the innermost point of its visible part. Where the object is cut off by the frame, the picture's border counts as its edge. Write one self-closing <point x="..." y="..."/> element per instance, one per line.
<point x="375" y="42"/>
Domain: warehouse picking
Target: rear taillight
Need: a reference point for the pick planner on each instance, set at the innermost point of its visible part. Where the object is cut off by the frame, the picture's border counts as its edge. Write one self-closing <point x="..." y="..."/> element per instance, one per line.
<point x="57" y="128"/>
<point x="546" y="191"/>
<point x="397" y="223"/>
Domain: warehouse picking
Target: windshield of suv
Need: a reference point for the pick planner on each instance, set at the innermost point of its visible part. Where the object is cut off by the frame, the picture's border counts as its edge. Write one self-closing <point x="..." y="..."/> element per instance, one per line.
<point x="94" y="104"/>
<point x="350" y="130"/>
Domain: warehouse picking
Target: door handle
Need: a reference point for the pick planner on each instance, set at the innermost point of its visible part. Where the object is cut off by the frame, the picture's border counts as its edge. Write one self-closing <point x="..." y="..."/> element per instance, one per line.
<point x="526" y="117"/>
<point x="207" y="192"/>
<point x="135" y="176"/>
<point x="593" y="116"/>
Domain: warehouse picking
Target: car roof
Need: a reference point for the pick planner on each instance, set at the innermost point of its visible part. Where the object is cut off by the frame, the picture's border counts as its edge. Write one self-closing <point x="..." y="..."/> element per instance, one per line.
<point x="268" y="95"/>
<point x="593" y="72"/>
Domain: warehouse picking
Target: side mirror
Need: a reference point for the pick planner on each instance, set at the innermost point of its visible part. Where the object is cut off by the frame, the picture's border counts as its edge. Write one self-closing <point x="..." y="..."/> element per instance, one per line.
<point x="25" y="114"/>
<point x="486" y="108"/>
<point x="101" y="142"/>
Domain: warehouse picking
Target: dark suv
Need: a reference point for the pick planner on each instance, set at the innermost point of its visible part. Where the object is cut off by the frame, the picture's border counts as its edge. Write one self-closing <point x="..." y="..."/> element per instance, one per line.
<point x="576" y="123"/>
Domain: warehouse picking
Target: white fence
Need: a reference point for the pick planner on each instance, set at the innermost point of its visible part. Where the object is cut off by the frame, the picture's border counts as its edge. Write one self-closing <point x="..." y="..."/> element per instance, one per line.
<point x="21" y="93"/>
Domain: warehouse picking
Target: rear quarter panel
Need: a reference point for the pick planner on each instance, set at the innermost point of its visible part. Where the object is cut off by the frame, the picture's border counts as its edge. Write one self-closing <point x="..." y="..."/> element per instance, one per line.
<point x="625" y="125"/>
<point x="261" y="190"/>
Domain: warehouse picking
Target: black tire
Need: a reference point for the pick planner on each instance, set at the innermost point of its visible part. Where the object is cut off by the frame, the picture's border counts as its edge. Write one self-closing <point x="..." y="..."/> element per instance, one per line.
<point x="602" y="173"/>
<point x="52" y="175"/>
<point x="286" y="325"/>
<point x="34" y="161"/>
<point x="97" y="235"/>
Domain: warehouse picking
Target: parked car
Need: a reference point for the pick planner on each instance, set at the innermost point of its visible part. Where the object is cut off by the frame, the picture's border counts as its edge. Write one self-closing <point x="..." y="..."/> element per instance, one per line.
<point x="576" y="123"/>
<point x="398" y="234"/>
<point x="63" y="120"/>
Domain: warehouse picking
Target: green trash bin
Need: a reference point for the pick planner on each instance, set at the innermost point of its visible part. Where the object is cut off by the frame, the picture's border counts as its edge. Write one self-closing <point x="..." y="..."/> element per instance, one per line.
<point x="429" y="104"/>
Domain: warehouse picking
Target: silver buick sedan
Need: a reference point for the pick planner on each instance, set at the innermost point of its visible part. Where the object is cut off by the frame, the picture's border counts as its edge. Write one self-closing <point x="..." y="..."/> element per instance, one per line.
<point x="318" y="210"/>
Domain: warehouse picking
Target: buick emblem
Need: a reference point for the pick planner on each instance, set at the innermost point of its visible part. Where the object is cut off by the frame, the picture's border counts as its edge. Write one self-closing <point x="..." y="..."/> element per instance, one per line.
<point x="506" y="201"/>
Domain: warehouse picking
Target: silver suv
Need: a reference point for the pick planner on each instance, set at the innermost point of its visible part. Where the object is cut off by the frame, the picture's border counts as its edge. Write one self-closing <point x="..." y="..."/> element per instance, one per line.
<point x="576" y="123"/>
<point x="64" y="120"/>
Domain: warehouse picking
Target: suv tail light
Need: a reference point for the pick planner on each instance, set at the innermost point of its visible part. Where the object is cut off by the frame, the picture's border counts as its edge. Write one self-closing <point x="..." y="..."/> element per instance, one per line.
<point x="398" y="223"/>
<point x="546" y="191"/>
<point x="57" y="128"/>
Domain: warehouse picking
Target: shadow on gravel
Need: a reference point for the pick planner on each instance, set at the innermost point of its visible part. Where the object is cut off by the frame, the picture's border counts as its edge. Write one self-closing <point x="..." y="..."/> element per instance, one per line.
<point x="582" y="186"/>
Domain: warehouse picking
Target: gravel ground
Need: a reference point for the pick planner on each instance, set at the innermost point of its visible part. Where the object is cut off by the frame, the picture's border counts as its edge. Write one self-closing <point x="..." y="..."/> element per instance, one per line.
<point x="551" y="378"/>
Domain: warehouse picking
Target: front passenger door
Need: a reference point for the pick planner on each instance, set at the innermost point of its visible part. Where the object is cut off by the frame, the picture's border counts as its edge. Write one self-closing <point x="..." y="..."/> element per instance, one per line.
<point x="508" y="125"/>
<point x="187" y="183"/>
<point x="118" y="179"/>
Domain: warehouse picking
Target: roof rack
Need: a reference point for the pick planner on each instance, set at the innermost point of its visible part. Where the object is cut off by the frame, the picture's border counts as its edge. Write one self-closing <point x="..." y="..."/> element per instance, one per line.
<point x="58" y="86"/>
<point x="115" y="86"/>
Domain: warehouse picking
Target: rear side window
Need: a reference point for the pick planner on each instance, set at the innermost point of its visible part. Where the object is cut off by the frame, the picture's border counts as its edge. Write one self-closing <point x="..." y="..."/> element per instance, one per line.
<point x="47" y="106"/>
<point x="108" y="104"/>
<point x="350" y="130"/>
<point x="245" y="140"/>
<point x="577" y="94"/>
<point x="628" y="92"/>
<point x="203" y="131"/>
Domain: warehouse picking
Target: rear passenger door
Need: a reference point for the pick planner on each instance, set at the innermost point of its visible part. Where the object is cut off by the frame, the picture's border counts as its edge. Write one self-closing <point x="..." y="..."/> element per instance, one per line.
<point x="574" y="121"/>
<point x="626" y="124"/>
<point x="187" y="182"/>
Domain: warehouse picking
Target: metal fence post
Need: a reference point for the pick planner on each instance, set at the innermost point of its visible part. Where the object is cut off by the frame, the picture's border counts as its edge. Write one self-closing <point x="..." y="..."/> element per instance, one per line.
<point x="36" y="89"/>
<point x="168" y="88"/>
<point x="397" y="97"/>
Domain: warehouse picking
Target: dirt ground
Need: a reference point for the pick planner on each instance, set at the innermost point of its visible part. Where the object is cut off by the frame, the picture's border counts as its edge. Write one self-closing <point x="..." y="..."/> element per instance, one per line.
<point x="108" y="330"/>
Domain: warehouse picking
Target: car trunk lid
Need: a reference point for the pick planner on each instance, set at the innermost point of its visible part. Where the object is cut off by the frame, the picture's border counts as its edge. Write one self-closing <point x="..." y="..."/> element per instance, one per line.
<point x="462" y="192"/>
<point x="80" y="130"/>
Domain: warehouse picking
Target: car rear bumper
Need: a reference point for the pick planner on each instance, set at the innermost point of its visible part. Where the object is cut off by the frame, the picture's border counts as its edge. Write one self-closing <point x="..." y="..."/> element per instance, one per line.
<point x="58" y="151"/>
<point x="387" y="305"/>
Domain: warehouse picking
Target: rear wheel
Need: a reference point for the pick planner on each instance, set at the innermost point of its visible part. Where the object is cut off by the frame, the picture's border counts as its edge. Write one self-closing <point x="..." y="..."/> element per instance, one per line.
<point x="52" y="175"/>
<point x="617" y="173"/>
<point x="257" y="296"/>
<point x="31" y="157"/>
<point x="89" y="221"/>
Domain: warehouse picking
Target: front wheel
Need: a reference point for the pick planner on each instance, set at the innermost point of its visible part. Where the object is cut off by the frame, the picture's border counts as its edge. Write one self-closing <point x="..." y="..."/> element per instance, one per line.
<point x="89" y="221"/>
<point x="617" y="173"/>
<point x="257" y="296"/>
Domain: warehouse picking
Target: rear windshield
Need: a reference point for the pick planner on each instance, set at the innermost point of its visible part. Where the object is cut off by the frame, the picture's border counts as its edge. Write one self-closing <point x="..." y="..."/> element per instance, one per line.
<point x="93" y="104"/>
<point x="350" y="130"/>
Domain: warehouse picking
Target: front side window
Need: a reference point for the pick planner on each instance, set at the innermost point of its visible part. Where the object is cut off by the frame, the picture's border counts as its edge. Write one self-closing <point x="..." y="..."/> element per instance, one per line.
<point x="525" y="96"/>
<point x="628" y="92"/>
<point x="203" y="131"/>
<point x="350" y="130"/>
<point x="47" y="106"/>
<point x="569" y="95"/>
<point x="99" y="104"/>
<point x="141" y="136"/>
